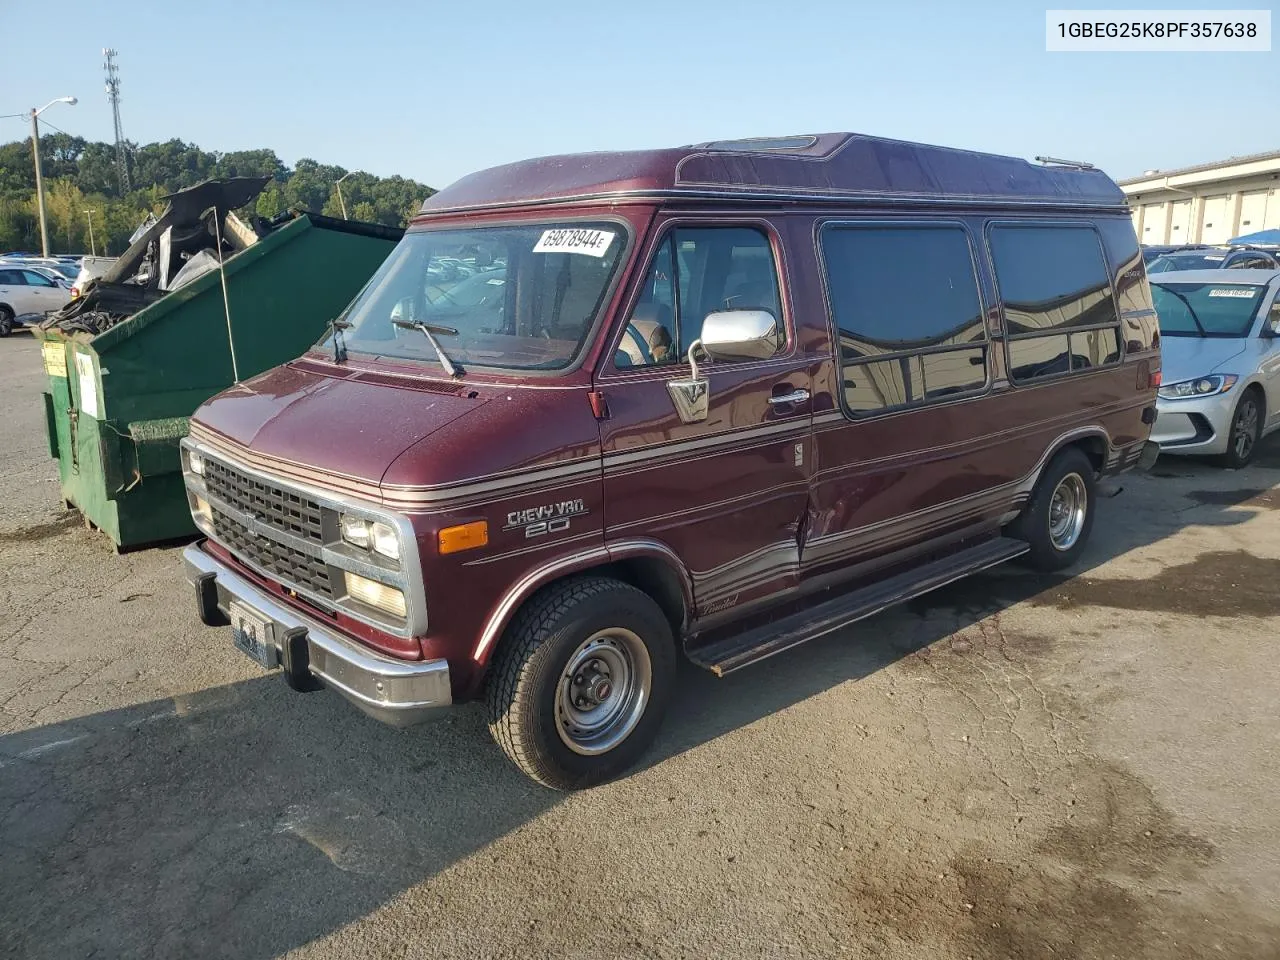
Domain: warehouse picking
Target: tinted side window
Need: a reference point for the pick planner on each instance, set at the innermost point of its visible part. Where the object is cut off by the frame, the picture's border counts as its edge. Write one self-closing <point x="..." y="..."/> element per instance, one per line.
<point x="1051" y="277"/>
<point x="11" y="278"/>
<point x="905" y="305"/>
<point x="1055" y="290"/>
<point x="696" y="271"/>
<point x="1132" y="293"/>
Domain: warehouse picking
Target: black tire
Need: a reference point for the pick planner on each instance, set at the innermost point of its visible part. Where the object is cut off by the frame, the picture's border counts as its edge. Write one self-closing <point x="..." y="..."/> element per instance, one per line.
<point x="6" y="321"/>
<point x="523" y="696"/>
<point x="1242" y="442"/>
<point x="1036" y="523"/>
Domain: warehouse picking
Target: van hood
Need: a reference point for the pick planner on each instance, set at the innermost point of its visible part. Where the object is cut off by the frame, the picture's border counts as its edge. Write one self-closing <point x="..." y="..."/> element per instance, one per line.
<point x="1185" y="358"/>
<point x="349" y="422"/>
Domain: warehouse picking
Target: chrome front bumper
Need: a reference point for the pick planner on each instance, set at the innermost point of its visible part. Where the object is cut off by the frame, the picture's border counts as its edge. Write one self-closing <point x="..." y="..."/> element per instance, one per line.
<point x="398" y="692"/>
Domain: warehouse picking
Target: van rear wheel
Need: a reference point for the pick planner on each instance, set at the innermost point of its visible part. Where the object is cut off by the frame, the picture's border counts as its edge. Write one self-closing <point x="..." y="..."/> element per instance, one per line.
<point x="1058" y="519"/>
<point x="581" y="681"/>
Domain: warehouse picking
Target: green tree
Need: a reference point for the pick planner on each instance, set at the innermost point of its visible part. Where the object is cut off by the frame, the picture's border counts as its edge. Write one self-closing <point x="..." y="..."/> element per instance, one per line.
<point x="80" y="174"/>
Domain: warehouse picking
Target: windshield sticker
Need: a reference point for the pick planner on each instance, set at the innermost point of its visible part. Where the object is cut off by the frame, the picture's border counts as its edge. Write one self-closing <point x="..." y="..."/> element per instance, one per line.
<point x="1232" y="292"/>
<point x="594" y="243"/>
<point x="1209" y="257"/>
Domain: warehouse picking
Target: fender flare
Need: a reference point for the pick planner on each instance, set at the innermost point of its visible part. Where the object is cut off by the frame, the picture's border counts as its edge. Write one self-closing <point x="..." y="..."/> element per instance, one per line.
<point x="1052" y="450"/>
<point x="578" y="562"/>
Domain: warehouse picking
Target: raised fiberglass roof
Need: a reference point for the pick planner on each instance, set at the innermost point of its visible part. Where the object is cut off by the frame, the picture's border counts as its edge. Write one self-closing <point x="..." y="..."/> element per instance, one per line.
<point x="828" y="166"/>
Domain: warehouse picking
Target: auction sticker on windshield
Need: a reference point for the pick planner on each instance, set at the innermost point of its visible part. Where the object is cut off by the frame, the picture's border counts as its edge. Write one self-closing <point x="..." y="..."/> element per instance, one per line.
<point x="594" y="243"/>
<point x="1233" y="292"/>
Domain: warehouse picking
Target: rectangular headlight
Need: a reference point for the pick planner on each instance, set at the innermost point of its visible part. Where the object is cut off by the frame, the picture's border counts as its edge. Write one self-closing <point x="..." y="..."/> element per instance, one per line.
<point x="370" y="535"/>
<point x="375" y="594"/>
<point x="195" y="463"/>
<point x="385" y="540"/>
<point x="355" y="530"/>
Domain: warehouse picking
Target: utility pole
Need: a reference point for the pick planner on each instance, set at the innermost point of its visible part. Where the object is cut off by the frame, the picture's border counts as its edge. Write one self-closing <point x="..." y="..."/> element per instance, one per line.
<point x="342" y="202"/>
<point x="93" y="247"/>
<point x="113" y="95"/>
<point x="35" y="153"/>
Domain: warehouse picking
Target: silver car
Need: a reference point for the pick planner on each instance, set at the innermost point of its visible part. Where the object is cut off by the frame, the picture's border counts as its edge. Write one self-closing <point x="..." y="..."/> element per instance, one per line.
<point x="1220" y="346"/>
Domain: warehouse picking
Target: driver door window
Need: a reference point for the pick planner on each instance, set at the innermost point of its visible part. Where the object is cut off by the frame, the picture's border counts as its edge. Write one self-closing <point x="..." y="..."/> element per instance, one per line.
<point x="696" y="271"/>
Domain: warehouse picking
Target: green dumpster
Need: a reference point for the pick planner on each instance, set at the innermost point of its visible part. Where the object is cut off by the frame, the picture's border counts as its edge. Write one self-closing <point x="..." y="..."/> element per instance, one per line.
<point x="118" y="403"/>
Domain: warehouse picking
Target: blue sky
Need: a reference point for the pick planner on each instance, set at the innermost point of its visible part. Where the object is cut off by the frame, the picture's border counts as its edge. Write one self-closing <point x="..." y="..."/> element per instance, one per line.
<point x="435" y="90"/>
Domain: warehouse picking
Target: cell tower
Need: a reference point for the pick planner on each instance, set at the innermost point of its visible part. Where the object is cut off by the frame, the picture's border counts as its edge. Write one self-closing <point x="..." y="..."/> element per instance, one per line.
<point x="113" y="94"/>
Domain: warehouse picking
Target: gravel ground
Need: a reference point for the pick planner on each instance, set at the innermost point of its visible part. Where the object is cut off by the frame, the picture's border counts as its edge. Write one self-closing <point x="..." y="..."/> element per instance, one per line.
<point x="1019" y="766"/>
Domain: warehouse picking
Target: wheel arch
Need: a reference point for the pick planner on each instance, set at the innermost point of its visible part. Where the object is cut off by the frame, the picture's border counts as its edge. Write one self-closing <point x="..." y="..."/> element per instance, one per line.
<point x="648" y="565"/>
<point x="1093" y="440"/>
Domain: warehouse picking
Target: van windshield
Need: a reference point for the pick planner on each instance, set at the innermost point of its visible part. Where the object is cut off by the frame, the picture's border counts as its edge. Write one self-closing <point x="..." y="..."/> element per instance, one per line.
<point x="519" y="297"/>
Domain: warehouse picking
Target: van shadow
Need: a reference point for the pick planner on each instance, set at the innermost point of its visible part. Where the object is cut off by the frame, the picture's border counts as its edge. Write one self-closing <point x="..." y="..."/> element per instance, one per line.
<point x="244" y="821"/>
<point x="241" y="821"/>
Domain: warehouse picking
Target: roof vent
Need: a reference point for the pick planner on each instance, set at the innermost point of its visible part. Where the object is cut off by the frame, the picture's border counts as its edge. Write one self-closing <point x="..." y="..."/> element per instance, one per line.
<point x="760" y="144"/>
<point x="1075" y="164"/>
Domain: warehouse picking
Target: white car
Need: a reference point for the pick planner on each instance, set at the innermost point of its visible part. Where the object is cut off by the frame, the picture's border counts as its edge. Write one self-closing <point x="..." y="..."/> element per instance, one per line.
<point x="1220" y="349"/>
<point x="24" y="290"/>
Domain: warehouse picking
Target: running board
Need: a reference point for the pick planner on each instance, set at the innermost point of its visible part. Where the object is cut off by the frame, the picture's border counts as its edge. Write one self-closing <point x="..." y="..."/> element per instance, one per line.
<point x="743" y="649"/>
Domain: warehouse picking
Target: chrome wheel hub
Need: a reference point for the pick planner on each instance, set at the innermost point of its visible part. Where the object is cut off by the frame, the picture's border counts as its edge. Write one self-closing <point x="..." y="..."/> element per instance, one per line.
<point x="1067" y="511"/>
<point x="603" y="691"/>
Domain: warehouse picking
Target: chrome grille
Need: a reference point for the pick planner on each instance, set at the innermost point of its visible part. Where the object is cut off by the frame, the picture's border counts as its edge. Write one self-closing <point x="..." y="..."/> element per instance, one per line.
<point x="285" y="510"/>
<point x="296" y="516"/>
<point x="276" y="559"/>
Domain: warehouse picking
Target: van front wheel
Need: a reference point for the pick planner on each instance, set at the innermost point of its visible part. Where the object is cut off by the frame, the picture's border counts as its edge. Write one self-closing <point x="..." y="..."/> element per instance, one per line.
<point x="581" y="681"/>
<point x="1059" y="517"/>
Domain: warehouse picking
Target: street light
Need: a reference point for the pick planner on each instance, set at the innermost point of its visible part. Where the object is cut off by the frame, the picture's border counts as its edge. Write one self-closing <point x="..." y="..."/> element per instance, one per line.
<point x="340" y="200"/>
<point x="93" y="248"/>
<point x="35" y="151"/>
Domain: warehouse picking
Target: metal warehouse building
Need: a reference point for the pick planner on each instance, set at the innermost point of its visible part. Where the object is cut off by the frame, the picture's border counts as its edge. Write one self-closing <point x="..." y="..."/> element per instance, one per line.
<point x="1209" y="203"/>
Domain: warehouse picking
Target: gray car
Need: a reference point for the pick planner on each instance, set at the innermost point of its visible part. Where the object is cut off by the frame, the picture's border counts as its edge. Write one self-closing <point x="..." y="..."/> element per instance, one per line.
<point x="1220" y="347"/>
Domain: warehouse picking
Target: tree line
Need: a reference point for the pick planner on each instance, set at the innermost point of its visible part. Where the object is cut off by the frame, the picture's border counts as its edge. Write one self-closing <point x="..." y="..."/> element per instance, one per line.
<point x="80" y="175"/>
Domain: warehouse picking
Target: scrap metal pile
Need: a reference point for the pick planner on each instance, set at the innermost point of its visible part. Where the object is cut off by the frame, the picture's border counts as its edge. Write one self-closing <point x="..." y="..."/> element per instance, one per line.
<point x="196" y="231"/>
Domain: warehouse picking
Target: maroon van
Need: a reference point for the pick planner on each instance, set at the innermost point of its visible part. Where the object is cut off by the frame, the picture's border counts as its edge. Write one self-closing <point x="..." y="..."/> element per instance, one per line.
<point x="598" y="411"/>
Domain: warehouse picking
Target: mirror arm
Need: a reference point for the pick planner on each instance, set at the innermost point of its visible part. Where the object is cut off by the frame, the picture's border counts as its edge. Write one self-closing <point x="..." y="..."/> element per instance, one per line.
<point x="693" y="360"/>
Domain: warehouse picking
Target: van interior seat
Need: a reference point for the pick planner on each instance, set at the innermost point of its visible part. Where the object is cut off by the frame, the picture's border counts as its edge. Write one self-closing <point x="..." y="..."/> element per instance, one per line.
<point x="647" y="339"/>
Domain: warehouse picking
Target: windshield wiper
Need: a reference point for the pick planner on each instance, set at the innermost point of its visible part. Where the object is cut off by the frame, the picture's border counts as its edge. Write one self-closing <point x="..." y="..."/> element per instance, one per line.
<point x="339" y="345"/>
<point x="1190" y="309"/>
<point x="429" y="330"/>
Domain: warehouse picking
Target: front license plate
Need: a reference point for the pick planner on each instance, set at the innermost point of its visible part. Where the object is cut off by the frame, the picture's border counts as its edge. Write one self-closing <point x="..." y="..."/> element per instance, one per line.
<point x="254" y="634"/>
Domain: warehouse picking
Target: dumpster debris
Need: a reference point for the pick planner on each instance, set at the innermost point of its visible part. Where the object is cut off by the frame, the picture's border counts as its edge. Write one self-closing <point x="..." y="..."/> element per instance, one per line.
<point x="169" y="251"/>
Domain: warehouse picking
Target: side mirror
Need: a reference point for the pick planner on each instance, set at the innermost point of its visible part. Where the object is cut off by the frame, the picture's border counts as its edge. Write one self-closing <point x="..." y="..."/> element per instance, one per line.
<point x="740" y="335"/>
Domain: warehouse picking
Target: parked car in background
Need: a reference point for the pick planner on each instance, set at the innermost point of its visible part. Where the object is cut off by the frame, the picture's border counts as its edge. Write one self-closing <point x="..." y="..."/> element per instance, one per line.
<point x="42" y="269"/>
<point x="56" y="276"/>
<point x="67" y="269"/>
<point x="1151" y="251"/>
<point x="1221" y="357"/>
<point x="90" y="269"/>
<point x="1214" y="258"/>
<point x="26" y="290"/>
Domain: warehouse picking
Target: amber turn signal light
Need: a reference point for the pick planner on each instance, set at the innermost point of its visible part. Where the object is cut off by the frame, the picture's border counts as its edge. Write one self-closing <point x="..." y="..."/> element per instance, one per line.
<point x="468" y="536"/>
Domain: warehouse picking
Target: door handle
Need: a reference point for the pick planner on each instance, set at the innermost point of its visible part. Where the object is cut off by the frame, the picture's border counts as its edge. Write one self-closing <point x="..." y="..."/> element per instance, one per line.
<point x="795" y="396"/>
